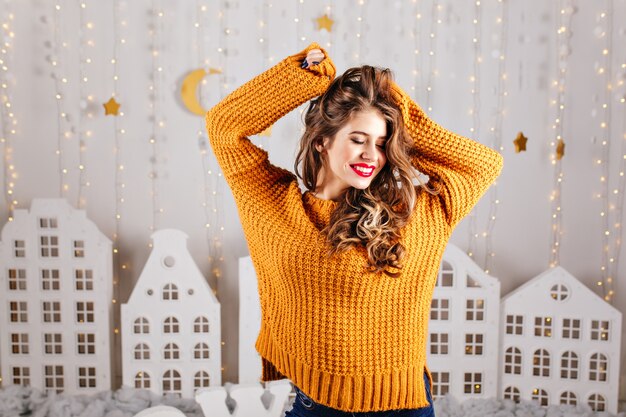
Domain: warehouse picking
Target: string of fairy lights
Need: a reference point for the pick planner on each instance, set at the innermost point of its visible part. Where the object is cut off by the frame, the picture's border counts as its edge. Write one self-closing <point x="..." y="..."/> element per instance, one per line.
<point x="223" y="49"/>
<point x="501" y="21"/>
<point x="563" y="12"/>
<point x="213" y="179"/>
<point x="604" y="71"/>
<point x="417" y="50"/>
<point x="214" y="172"/>
<point x="359" y="32"/>
<point x="8" y="119"/>
<point x="619" y="205"/>
<point x="86" y="99"/>
<point x="119" y="136"/>
<point x="475" y="111"/>
<point x="608" y="213"/>
<point x="300" y="38"/>
<point x="435" y="21"/>
<point x="495" y="130"/>
<point x="264" y="46"/>
<point x="330" y="38"/>
<point x="155" y="108"/>
<point x="209" y="204"/>
<point x="64" y="129"/>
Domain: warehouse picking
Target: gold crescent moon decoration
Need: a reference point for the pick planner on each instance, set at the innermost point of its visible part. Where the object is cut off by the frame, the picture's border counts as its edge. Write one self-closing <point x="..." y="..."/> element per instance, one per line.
<point x="189" y="89"/>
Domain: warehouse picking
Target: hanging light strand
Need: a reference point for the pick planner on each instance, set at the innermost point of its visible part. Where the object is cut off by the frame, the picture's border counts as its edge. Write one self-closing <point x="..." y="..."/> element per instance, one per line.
<point x="9" y="122"/>
<point x="212" y="179"/>
<point x="297" y="26"/>
<point x="418" y="61"/>
<point x="329" y="11"/>
<point x="155" y="94"/>
<point x="614" y="198"/>
<point x="563" y="11"/>
<point x="435" y="20"/>
<point x="86" y="99"/>
<point x="619" y="204"/>
<point x="604" y="70"/>
<point x="496" y="131"/>
<point x="474" y="111"/>
<point x="359" y="32"/>
<point x="119" y="134"/>
<point x="64" y="132"/>
<point x="215" y="174"/>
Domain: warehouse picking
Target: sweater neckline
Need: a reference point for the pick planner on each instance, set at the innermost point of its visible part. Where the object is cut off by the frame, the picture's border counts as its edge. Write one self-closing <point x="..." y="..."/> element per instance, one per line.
<point x="320" y="204"/>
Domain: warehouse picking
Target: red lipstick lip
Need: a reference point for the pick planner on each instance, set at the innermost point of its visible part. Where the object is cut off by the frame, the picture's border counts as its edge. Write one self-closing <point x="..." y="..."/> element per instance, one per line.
<point x="362" y="174"/>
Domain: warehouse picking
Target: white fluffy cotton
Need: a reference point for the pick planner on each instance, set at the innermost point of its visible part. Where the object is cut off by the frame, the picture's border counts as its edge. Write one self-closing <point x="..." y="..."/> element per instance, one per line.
<point x="16" y="401"/>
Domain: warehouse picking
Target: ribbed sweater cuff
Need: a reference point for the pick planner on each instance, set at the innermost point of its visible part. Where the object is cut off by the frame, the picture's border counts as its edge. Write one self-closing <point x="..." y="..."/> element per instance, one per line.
<point x="399" y="389"/>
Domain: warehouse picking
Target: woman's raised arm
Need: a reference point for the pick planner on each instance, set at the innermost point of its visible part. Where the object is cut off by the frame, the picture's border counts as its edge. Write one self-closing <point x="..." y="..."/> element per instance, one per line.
<point x="260" y="102"/>
<point x="463" y="168"/>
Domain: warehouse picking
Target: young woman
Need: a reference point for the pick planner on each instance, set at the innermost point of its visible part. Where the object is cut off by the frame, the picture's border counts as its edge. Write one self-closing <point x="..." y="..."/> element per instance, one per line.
<point x="347" y="269"/>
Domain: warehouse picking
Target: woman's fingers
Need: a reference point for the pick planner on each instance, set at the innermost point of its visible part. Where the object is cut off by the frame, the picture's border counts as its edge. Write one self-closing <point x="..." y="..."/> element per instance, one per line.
<point x="313" y="57"/>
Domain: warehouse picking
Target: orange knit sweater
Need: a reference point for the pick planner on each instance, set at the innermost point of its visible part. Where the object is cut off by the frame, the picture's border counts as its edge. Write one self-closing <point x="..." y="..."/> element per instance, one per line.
<point x="348" y="338"/>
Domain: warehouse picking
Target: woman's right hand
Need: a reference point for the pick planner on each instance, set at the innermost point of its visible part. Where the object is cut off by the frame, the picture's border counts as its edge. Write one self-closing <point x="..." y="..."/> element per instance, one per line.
<point x="313" y="57"/>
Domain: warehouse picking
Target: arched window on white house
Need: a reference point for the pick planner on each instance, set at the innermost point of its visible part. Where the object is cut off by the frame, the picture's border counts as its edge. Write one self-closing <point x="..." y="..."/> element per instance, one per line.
<point x="172" y="382"/>
<point x="541" y="363"/>
<point x="142" y="351"/>
<point x="170" y="325"/>
<point x="512" y="393"/>
<point x="142" y="380"/>
<point x="569" y="398"/>
<point x="597" y="402"/>
<point x="513" y="361"/>
<point x="201" y="325"/>
<point x="171" y="351"/>
<point x="598" y="366"/>
<point x="201" y="380"/>
<point x="141" y="326"/>
<point x="446" y="275"/>
<point x="170" y="292"/>
<point x="569" y="365"/>
<point x="201" y="351"/>
<point x="540" y="396"/>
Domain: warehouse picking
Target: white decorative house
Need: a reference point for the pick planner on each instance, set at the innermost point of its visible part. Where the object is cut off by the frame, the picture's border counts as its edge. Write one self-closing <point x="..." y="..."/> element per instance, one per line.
<point x="55" y="300"/>
<point x="171" y="331"/>
<point x="463" y="329"/>
<point x="560" y="343"/>
<point x="250" y="368"/>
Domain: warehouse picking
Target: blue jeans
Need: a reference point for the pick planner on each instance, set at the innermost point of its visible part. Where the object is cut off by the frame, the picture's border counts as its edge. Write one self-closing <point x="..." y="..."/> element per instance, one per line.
<point x="304" y="406"/>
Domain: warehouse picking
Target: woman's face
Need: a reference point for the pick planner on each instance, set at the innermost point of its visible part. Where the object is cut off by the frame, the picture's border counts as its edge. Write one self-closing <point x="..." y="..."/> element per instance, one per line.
<point x="355" y="156"/>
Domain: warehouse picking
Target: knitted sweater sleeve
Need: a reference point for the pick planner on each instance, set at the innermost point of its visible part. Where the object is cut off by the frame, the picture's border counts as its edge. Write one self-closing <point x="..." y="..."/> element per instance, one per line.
<point x="251" y="109"/>
<point x="462" y="168"/>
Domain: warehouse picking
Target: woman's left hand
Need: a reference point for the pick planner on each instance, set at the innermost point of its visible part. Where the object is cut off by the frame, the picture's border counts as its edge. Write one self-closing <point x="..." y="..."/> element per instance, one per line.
<point x="313" y="57"/>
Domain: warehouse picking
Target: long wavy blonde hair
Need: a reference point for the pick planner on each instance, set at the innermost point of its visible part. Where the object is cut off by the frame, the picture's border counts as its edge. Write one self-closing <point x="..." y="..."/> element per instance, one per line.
<point x="371" y="217"/>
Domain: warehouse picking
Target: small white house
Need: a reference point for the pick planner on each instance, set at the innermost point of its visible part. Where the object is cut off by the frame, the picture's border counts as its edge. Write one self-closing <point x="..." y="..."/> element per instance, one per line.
<point x="560" y="343"/>
<point x="463" y="329"/>
<point x="55" y="300"/>
<point x="250" y="367"/>
<point x="171" y="331"/>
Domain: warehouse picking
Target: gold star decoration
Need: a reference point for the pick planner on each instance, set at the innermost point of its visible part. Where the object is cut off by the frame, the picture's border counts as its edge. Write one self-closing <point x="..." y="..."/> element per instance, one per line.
<point x="560" y="149"/>
<point x="111" y="107"/>
<point x="325" y="22"/>
<point x="266" y="132"/>
<point x="520" y="142"/>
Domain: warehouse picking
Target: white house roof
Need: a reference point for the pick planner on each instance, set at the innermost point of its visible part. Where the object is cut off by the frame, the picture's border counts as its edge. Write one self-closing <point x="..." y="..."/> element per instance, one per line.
<point x="468" y="266"/>
<point x="48" y="206"/>
<point x="170" y="245"/>
<point x="553" y="276"/>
